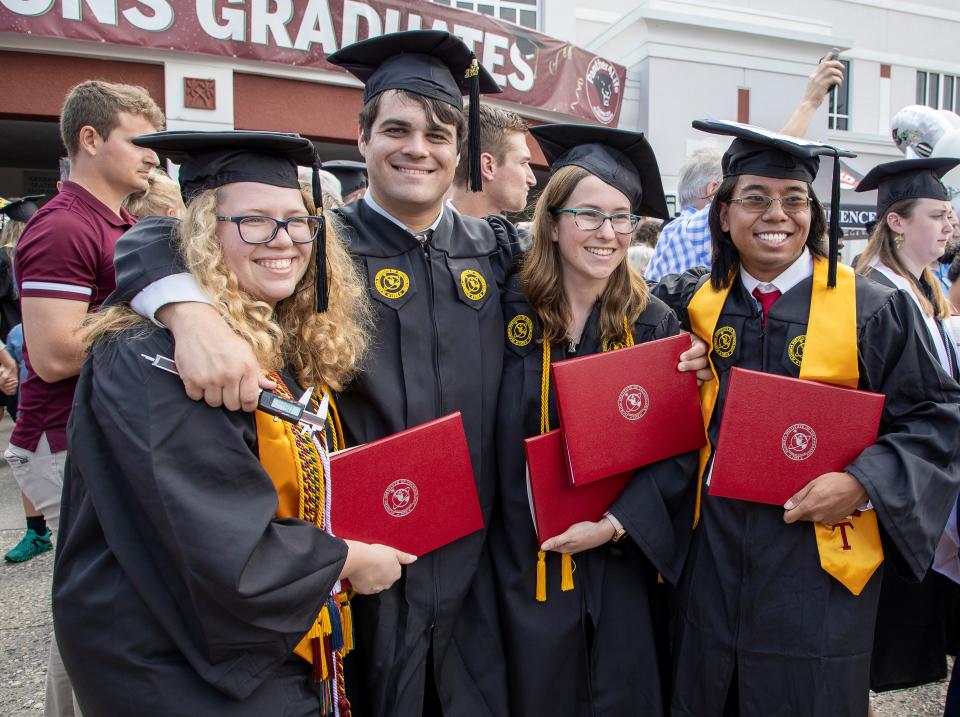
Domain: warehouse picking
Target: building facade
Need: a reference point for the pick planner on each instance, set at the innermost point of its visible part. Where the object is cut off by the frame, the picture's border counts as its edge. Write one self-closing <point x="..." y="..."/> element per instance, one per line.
<point x="230" y="64"/>
<point x="653" y="65"/>
<point x="749" y="60"/>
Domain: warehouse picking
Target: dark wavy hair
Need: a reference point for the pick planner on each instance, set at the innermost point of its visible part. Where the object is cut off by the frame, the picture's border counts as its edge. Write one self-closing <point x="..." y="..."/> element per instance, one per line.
<point x="726" y="258"/>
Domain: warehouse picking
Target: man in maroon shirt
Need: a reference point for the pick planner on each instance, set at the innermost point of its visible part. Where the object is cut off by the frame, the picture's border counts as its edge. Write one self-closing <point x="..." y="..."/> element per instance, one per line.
<point x="64" y="266"/>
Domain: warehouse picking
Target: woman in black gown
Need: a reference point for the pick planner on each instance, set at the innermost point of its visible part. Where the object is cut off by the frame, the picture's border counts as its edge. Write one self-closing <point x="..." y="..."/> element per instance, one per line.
<point x="592" y="650"/>
<point x="916" y="621"/>
<point x="197" y="570"/>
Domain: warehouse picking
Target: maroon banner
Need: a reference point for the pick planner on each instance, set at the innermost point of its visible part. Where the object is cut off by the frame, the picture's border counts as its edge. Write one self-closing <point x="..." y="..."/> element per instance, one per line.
<point x="533" y="69"/>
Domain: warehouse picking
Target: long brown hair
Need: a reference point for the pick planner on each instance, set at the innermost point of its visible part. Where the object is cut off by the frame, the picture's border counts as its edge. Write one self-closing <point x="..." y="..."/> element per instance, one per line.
<point x="322" y="349"/>
<point x="542" y="271"/>
<point x="882" y="245"/>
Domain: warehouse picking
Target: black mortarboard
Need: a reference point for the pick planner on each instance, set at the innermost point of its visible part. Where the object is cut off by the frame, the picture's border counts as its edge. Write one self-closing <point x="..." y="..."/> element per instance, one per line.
<point x="622" y="159"/>
<point x="212" y="159"/>
<point x="20" y="210"/>
<point x="352" y="175"/>
<point x="431" y="63"/>
<point x="908" y="179"/>
<point x="757" y="151"/>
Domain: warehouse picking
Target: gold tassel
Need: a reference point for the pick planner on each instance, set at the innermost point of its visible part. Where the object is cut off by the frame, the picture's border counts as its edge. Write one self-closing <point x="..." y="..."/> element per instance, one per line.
<point x="566" y="573"/>
<point x="346" y="616"/>
<point x="325" y="628"/>
<point x="659" y="578"/>
<point x="541" y="576"/>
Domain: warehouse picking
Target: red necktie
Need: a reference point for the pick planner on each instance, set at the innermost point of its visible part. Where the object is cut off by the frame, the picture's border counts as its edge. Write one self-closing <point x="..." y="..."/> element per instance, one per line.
<point x="766" y="300"/>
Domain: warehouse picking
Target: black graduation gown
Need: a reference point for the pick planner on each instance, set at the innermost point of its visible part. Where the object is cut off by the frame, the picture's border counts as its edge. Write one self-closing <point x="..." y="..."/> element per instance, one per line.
<point x="753" y="603"/>
<point x="437" y="349"/>
<point x="911" y="641"/>
<point x="592" y="651"/>
<point x="176" y="591"/>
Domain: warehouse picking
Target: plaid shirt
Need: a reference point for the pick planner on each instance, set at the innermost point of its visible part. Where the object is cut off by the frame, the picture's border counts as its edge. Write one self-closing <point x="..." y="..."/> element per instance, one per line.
<point x="683" y="244"/>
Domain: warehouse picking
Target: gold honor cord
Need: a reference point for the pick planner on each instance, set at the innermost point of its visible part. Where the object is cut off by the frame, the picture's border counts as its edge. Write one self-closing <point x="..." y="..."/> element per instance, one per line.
<point x="829" y="356"/>
<point x="567" y="566"/>
<point x="296" y="466"/>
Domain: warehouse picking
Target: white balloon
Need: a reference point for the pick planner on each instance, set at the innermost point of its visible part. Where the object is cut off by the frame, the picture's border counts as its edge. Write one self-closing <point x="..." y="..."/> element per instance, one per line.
<point x="952" y="117"/>
<point x="916" y="129"/>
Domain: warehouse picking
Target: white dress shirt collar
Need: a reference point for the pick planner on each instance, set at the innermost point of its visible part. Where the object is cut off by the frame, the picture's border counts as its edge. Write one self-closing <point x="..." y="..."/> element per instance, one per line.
<point x="799" y="270"/>
<point x="372" y="203"/>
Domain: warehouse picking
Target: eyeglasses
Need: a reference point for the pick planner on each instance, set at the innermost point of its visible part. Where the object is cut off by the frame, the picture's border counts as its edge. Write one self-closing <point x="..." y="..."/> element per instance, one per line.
<point x="263" y="230"/>
<point x="592" y="219"/>
<point x="759" y="203"/>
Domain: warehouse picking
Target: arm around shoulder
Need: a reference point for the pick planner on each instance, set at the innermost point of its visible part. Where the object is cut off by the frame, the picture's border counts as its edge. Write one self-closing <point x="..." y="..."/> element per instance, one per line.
<point x="205" y="512"/>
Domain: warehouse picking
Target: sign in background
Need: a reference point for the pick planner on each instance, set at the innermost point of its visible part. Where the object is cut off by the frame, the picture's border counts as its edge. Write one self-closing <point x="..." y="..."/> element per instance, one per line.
<point x="533" y="69"/>
<point x="854" y="216"/>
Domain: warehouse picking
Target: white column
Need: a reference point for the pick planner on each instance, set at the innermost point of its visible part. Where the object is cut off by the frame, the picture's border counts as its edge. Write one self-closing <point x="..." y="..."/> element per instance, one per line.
<point x="884" y="112"/>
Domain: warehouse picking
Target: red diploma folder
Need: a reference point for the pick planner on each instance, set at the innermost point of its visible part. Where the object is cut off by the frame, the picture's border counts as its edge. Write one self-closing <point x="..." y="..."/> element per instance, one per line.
<point x="623" y="409"/>
<point x="556" y="503"/>
<point x="414" y="490"/>
<point x="777" y="434"/>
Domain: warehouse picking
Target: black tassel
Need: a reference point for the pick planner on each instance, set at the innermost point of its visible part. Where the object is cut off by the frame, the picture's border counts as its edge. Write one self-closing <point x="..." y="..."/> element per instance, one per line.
<point x="321" y="279"/>
<point x="473" y="127"/>
<point x="834" y="247"/>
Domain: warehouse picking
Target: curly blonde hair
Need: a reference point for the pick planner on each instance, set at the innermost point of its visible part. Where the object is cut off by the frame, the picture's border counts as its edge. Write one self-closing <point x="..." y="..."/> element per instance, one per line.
<point x="322" y="349"/>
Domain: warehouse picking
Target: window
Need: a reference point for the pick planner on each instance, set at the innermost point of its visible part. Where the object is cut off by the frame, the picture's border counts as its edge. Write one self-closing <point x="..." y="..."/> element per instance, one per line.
<point x="942" y="92"/>
<point x="838" y="114"/>
<point x="519" y="12"/>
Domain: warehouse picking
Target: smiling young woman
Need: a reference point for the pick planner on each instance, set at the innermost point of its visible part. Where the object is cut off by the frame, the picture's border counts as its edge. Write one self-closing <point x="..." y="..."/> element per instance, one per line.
<point x="596" y="642"/>
<point x="196" y="557"/>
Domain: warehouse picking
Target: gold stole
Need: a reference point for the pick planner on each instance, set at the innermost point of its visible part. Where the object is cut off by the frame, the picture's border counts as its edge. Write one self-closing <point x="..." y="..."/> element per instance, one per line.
<point x="850" y="550"/>
<point x="280" y="458"/>
<point x="566" y="560"/>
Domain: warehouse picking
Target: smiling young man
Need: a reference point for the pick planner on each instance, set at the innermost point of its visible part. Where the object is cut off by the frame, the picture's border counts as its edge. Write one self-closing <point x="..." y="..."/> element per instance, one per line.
<point x="430" y="644"/>
<point x="775" y="609"/>
<point x="504" y="163"/>
<point x="64" y="266"/>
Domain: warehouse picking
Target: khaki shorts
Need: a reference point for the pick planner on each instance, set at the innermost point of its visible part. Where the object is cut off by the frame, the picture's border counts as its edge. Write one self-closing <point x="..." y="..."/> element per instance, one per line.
<point x="39" y="474"/>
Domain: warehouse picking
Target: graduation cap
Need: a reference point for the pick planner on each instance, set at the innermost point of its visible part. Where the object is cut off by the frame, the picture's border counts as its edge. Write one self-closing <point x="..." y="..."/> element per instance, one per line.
<point x="757" y="151"/>
<point x="622" y="159"/>
<point x="20" y="210"/>
<point x="908" y="179"/>
<point x="213" y="159"/>
<point x="430" y="63"/>
<point x="352" y="175"/>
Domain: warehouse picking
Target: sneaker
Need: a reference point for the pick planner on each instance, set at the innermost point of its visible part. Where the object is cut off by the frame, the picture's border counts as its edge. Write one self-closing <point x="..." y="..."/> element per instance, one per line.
<point x="30" y="546"/>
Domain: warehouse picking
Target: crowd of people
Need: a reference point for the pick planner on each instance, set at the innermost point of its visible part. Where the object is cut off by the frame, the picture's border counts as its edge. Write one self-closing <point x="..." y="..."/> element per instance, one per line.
<point x="197" y="570"/>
